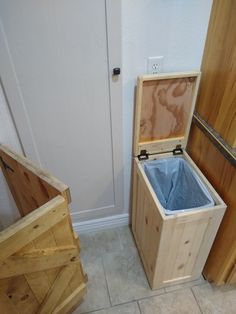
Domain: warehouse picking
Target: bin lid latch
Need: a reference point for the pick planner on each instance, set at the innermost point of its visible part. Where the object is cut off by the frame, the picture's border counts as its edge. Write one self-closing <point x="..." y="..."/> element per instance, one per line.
<point x="143" y="155"/>
<point x="177" y="150"/>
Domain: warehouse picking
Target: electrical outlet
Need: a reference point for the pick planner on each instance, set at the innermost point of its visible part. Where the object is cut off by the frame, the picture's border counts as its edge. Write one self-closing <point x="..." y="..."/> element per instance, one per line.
<point x="154" y="65"/>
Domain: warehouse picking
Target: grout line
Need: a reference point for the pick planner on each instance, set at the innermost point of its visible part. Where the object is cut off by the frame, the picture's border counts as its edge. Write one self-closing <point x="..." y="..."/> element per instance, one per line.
<point x="196" y="300"/>
<point x="106" y="282"/>
<point x="152" y="296"/>
<point x="94" y="311"/>
<point x="119" y="236"/>
<point x="114" y="306"/>
<point x="139" y="307"/>
<point x="141" y="298"/>
<point x="184" y="285"/>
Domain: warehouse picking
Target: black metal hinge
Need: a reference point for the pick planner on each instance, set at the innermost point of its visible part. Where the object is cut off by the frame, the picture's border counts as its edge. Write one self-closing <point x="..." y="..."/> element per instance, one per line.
<point x="143" y="155"/>
<point x="178" y="150"/>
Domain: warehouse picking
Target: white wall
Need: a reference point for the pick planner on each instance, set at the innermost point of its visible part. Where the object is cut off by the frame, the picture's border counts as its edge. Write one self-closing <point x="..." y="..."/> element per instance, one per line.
<point x="175" y="29"/>
<point x="8" y="136"/>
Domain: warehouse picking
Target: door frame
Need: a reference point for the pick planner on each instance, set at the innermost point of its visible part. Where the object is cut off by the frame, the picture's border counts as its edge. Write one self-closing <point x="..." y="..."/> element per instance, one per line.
<point x="23" y="125"/>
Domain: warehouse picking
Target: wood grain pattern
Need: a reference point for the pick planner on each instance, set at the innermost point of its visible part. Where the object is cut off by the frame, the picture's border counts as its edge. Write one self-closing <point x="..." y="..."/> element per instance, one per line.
<point x="70" y="303"/>
<point x="57" y="289"/>
<point x="166" y="106"/>
<point x="163" y="111"/>
<point x="6" y="305"/>
<point x="146" y="225"/>
<point x="223" y="177"/>
<point x="30" y="186"/>
<point x="217" y="93"/>
<point x="37" y="260"/>
<point x="19" y="294"/>
<point x="40" y="267"/>
<point x="182" y="241"/>
<point x="31" y="226"/>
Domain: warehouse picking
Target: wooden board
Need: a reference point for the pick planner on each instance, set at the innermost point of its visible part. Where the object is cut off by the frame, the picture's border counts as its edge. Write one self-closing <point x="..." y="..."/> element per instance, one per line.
<point x="166" y="106"/>
<point x="146" y="225"/>
<point x="163" y="111"/>
<point x="40" y="269"/>
<point x="30" y="186"/>
<point x="222" y="175"/>
<point x="217" y="102"/>
<point x="173" y="248"/>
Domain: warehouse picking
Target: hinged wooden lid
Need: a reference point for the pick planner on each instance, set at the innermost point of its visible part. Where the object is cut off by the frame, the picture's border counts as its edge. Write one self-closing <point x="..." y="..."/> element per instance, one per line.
<point x="164" y="109"/>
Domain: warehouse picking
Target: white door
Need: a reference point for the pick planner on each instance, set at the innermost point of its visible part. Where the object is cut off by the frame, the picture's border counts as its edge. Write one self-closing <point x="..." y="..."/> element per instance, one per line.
<point x="56" y="60"/>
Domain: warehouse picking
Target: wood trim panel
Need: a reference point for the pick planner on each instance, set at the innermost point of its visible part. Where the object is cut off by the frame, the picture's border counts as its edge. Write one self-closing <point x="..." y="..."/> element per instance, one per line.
<point x="222" y="175"/>
<point x="216" y="101"/>
<point x="228" y="152"/>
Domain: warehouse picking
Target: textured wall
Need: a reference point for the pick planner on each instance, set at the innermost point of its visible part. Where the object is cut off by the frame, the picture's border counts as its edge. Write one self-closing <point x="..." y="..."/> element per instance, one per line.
<point x="8" y="136"/>
<point x="173" y="29"/>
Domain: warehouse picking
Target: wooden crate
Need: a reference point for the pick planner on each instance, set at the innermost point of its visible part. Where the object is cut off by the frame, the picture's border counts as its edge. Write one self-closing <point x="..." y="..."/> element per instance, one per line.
<point x="173" y="248"/>
<point x="40" y="268"/>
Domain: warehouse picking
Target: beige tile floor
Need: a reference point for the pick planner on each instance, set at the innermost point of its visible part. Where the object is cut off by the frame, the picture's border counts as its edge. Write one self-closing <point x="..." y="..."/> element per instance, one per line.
<point x="118" y="285"/>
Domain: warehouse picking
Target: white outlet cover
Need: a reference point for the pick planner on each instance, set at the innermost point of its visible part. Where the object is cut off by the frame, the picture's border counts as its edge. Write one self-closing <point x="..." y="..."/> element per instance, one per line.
<point x="155" y="65"/>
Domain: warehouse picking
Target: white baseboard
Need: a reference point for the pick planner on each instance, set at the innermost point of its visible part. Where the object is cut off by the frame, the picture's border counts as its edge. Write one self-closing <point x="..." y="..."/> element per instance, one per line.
<point x="101" y="223"/>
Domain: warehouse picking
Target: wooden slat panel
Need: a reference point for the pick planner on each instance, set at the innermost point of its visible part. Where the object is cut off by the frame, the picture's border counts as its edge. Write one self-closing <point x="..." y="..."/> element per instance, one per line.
<point x="37" y="260"/>
<point x="68" y="304"/>
<point x="139" y="220"/>
<point x="38" y="281"/>
<point x="35" y="249"/>
<point x="39" y="284"/>
<point x="20" y="294"/>
<point x="217" y="102"/>
<point x="44" y="241"/>
<point x="181" y="256"/>
<point x="7" y="307"/>
<point x="147" y="225"/>
<point x="63" y="232"/>
<point x="63" y="235"/>
<point x="197" y="239"/>
<point x="57" y="289"/>
<point x="78" y="278"/>
<point x="153" y="230"/>
<point x="209" y="236"/>
<point x="172" y="253"/>
<point x="52" y="239"/>
<point x="191" y="230"/>
<point x="33" y="225"/>
<point x="223" y="176"/>
<point x="134" y="195"/>
<point x="30" y="186"/>
<point x="144" y="222"/>
<point x="47" y="240"/>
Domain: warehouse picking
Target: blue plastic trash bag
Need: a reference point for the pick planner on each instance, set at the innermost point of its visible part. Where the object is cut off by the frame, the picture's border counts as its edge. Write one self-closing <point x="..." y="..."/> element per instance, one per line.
<point x="177" y="185"/>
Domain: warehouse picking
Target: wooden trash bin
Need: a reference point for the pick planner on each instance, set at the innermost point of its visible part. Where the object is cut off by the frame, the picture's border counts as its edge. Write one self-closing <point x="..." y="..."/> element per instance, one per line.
<point x="173" y="247"/>
<point x="40" y="268"/>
